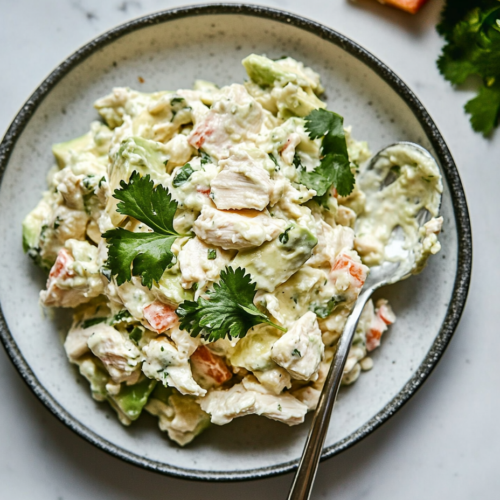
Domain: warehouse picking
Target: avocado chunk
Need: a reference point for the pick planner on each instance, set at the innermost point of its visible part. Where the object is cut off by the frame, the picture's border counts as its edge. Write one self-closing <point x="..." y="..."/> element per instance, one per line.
<point x="32" y="227"/>
<point x="274" y="262"/>
<point x="253" y="352"/>
<point x="133" y="398"/>
<point x="63" y="150"/>
<point x="294" y="101"/>
<point x="139" y="154"/>
<point x="135" y="154"/>
<point x="266" y="72"/>
<point x="171" y="289"/>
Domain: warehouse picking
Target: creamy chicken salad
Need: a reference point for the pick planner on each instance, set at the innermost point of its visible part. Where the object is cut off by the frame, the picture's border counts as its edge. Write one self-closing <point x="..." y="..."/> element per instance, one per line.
<point x="212" y="244"/>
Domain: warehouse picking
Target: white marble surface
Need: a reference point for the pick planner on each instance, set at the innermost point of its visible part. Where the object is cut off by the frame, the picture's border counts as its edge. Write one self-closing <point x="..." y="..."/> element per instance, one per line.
<point x="444" y="443"/>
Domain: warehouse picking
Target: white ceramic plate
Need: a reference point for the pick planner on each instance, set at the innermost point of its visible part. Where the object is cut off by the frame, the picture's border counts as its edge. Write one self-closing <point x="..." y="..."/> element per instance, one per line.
<point x="169" y="50"/>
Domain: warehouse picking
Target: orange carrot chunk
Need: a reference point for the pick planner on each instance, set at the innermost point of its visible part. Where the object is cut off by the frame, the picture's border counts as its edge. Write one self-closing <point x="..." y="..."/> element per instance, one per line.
<point x="210" y="365"/>
<point x="160" y="316"/>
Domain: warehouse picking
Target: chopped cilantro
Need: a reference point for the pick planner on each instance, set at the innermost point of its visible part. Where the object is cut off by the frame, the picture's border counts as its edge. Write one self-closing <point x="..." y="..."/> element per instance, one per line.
<point x="283" y="237"/>
<point x="177" y="100"/>
<point x="92" y="321"/>
<point x="205" y="158"/>
<point x="273" y="158"/>
<point x="296" y="353"/>
<point x="212" y="254"/>
<point x="227" y="310"/>
<point x="142" y="254"/>
<point x="182" y="175"/>
<point x="136" y="334"/>
<point x="120" y="316"/>
<point x="324" y="310"/>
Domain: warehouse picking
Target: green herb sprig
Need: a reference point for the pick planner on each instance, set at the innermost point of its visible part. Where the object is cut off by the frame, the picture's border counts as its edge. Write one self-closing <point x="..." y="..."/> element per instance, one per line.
<point x="334" y="168"/>
<point x="142" y="254"/>
<point x="471" y="29"/>
<point x="227" y="310"/>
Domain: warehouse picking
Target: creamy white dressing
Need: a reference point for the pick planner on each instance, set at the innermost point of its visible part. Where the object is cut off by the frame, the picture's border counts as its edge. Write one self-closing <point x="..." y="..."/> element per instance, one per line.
<point x="228" y="158"/>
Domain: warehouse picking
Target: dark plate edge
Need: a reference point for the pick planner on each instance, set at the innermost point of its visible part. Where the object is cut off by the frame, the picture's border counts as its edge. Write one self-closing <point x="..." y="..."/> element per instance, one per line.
<point x="464" y="265"/>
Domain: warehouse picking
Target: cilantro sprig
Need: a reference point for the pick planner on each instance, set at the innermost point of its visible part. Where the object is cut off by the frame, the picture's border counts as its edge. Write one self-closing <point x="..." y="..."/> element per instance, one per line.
<point x="142" y="254"/>
<point x="472" y="32"/>
<point x="228" y="310"/>
<point x="334" y="168"/>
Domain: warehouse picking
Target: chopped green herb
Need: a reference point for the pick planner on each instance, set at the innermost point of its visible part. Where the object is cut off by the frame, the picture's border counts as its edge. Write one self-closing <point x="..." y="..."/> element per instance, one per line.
<point x="324" y="310"/>
<point x="183" y="175"/>
<point x="136" y="334"/>
<point x="296" y="353"/>
<point x="273" y="158"/>
<point x="120" y="316"/>
<point x="92" y="321"/>
<point x="205" y="158"/>
<point x="283" y="237"/>
<point x="212" y="254"/>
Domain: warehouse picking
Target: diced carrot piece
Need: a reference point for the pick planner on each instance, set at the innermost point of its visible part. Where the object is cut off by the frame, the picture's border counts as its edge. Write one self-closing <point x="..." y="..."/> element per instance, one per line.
<point x="383" y="317"/>
<point x="373" y="336"/>
<point x="384" y="312"/>
<point x="411" y="6"/>
<point x="203" y="190"/>
<point x="160" y="316"/>
<point x="61" y="265"/>
<point x="211" y="365"/>
<point x="355" y="269"/>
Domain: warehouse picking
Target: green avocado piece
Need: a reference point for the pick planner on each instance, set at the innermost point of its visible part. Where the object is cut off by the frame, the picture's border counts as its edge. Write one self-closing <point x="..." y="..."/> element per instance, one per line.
<point x="132" y="398"/>
<point x="62" y="151"/>
<point x="32" y="227"/>
<point x="170" y="286"/>
<point x="266" y="72"/>
<point x="274" y="262"/>
<point x="139" y="154"/>
<point x="135" y="154"/>
<point x="295" y="101"/>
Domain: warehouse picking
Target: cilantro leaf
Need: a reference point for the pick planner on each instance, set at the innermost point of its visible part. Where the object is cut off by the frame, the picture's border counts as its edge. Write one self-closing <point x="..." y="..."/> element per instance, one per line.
<point x="334" y="168"/>
<point x="228" y="310"/>
<point x="148" y="204"/>
<point x="485" y="109"/>
<point x="142" y="254"/>
<point x="183" y="175"/>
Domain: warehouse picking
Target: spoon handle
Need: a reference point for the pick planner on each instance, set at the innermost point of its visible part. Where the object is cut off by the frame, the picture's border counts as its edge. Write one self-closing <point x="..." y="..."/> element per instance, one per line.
<point x="308" y="465"/>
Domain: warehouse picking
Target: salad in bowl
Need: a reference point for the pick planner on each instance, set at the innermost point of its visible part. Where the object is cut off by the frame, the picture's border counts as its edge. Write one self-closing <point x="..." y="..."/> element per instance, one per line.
<point x="211" y="243"/>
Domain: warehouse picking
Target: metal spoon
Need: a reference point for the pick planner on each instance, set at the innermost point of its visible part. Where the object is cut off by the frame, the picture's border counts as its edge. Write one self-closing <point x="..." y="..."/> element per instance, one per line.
<point x="388" y="272"/>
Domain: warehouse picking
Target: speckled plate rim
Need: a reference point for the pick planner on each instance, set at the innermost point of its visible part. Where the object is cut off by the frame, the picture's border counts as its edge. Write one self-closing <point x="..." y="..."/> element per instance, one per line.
<point x="464" y="265"/>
